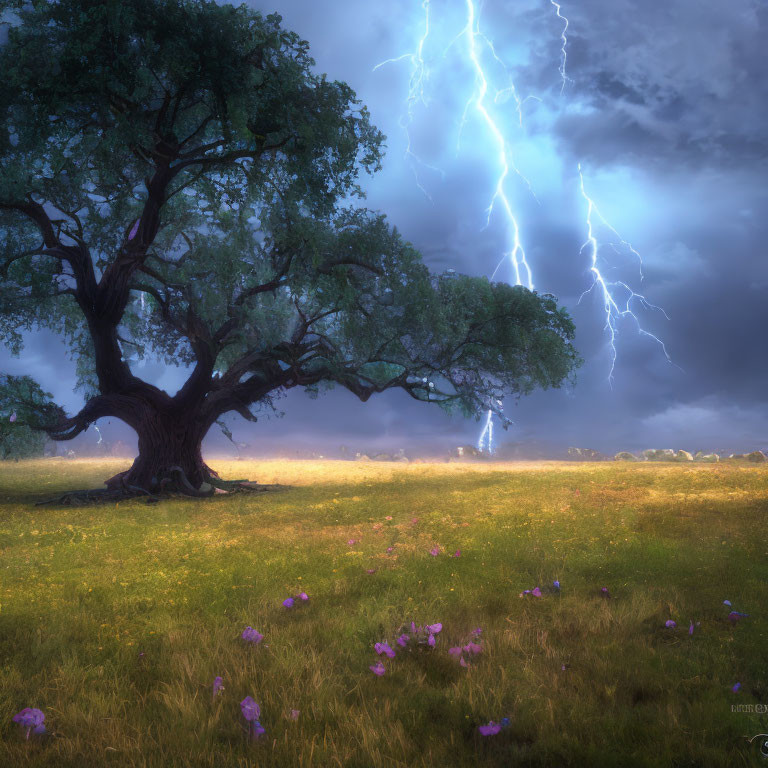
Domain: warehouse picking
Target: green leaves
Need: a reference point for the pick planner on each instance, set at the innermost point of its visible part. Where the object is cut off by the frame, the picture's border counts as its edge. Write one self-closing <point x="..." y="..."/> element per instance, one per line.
<point x="202" y="130"/>
<point x="33" y="407"/>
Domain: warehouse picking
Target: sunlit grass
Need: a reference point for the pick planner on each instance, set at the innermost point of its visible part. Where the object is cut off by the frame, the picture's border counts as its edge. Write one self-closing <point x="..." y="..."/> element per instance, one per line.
<point x="84" y="591"/>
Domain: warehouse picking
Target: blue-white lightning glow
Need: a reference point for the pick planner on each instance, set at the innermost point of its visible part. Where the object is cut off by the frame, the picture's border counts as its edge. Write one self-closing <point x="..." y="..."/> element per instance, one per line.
<point x="610" y="291"/>
<point x="480" y="57"/>
<point x="416" y="94"/>
<point x="515" y="253"/>
<point x="500" y="200"/>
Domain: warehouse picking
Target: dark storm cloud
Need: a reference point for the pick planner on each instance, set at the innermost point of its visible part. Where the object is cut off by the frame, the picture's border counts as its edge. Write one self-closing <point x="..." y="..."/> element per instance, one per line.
<point x="685" y="80"/>
<point x="666" y="109"/>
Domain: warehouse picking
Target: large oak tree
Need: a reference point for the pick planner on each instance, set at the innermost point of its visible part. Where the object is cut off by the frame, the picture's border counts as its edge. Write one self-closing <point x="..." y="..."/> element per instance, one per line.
<point x="175" y="178"/>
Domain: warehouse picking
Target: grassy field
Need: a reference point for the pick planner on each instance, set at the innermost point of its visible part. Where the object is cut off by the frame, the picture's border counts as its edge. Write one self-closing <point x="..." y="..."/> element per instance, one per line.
<point x="114" y="621"/>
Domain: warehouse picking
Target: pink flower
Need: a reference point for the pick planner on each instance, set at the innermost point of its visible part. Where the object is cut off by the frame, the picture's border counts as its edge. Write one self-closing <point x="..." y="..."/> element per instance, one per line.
<point x="463" y="663"/>
<point x="455" y="651"/>
<point x="377" y="669"/>
<point x="303" y="596"/>
<point x="402" y="641"/>
<point x="435" y="552"/>
<point x="390" y="549"/>
<point x="434" y="629"/>
<point x="414" y="520"/>
<point x="536" y="592"/>
<point x="370" y="570"/>
<point x="473" y="648"/>
<point x="388" y="517"/>
<point x="295" y="714"/>
<point x="457" y="553"/>
<point x="431" y="641"/>
<point x="351" y="542"/>
<point x="489" y="730"/>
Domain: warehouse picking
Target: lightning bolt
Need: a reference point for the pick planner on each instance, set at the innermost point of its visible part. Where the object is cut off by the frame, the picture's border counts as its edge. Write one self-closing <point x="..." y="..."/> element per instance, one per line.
<point x="515" y="254"/>
<point x="480" y="102"/>
<point x="564" y="39"/>
<point x="416" y="95"/>
<point x="614" y="311"/>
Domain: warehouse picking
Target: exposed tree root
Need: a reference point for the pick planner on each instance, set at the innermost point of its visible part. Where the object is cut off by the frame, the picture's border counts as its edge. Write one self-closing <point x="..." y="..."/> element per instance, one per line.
<point x="98" y="496"/>
<point x="172" y="484"/>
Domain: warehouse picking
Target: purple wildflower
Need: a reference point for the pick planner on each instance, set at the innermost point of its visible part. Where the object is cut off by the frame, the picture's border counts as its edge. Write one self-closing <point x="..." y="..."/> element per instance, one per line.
<point x="435" y="551"/>
<point x="431" y="641"/>
<point x="604" y="592"/>
<point x="413" y="628"/>
<point x="727" y="602"/>
<point x="736" y="688"/>
<point x="455" y="651"/>
<point x="402" y="641"/>
<point x="250" y="635"/>
<point x="690" y="629"/>
<point x="457" y="553"/>
<point x="556" y="584"/>
<point x="489" y="730"/>
<point x="218" y="686"/>
<point x="390" y="549"/>
<point x="351" y="542"/>
<point x="250" y="709"/>
<point x="669" y="624"/>
<point x="536" y="592"/>
<point x="477" y="631"/>
<point x="258" y="730"/>
<point x="377" y="669"/>
<point x="734" y="616"/>
<point x="371" y="570"/>
<point x="31" y="719"/>
<point x="434" y="629"/>
<point x="473" y="648"/>
<point x="463" y="663"/>
<point x="384" y="648"/>
<point x="134" y="230"/>
<point x="288" y="602"/>
<point x="303" y="596"/>
<point x="13" y="416"/>
<point x="295" y="714"/>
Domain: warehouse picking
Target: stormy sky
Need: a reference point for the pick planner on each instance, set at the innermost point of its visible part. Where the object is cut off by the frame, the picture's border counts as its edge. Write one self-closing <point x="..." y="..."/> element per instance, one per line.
<point x="665" y="107"/>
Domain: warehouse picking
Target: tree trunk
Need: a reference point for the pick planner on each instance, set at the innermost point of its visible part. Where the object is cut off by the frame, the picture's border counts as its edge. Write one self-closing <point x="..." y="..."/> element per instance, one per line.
<point x="167" y="440"/>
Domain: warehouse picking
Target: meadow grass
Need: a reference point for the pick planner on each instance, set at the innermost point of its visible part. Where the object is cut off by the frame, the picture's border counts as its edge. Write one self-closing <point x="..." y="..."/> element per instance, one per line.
<point x="85" y="590"/>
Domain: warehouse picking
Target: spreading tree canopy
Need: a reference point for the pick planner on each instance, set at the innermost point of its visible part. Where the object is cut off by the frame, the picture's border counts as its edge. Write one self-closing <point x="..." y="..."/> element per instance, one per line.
<point x="176" y="179"/>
